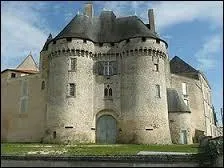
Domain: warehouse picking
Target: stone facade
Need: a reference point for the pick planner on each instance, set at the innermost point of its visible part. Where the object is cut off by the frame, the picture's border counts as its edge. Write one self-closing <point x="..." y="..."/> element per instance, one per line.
<point x="137" y="101"/>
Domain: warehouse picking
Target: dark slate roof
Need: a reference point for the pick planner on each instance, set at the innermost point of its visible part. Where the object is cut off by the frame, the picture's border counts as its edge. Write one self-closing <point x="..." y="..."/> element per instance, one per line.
<point x="180" y="67"/>
<point x="106" y="28"/>
<point x="175" y="102"/>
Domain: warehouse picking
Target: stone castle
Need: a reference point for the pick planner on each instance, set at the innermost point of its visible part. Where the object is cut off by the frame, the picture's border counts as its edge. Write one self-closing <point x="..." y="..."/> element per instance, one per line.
<point x="106" y="80"/>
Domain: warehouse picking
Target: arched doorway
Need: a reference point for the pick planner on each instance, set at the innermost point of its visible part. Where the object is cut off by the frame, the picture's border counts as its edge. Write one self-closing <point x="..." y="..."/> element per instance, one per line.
<point x="106" y="129"/>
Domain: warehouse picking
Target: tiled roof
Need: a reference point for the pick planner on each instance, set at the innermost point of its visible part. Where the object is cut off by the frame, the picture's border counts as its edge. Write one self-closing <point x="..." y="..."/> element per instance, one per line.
<point x="22" y="71"/>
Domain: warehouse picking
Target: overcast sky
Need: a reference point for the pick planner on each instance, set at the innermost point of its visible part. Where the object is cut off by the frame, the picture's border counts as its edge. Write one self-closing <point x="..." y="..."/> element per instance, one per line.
<point x="192" y="29"/>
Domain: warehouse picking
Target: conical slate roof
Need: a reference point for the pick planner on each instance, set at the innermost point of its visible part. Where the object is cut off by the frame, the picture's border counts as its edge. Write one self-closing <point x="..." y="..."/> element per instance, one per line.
<point x="175" y="102"/>
<point x="106" y="28"/>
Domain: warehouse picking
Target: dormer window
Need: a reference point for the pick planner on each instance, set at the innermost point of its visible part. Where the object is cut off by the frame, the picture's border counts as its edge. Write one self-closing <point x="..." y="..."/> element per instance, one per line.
<point x="84" y="41"/>
<point x="107" y="68"/>
<point x="157" y="41"/>
<point x="13" y="75"/>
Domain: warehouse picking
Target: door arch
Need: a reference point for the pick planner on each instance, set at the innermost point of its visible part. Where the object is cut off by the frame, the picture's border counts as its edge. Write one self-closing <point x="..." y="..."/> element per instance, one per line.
<point x="106" y="129"/>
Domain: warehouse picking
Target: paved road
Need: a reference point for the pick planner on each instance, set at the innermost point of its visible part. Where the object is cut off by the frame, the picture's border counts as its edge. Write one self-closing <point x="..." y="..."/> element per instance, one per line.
<point x="42" y="163"/>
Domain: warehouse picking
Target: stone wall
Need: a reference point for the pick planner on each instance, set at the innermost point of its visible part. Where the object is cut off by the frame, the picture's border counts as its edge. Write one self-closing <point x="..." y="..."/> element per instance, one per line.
<point x="20" y="126"/>
<point x="180" y="121"/>
<point x="195" y="100"/>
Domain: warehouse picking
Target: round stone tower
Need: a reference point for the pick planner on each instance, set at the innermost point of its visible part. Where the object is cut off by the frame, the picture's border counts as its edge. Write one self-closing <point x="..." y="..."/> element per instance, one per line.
<point x="143" y="90"/>
<point x="144" y="96"/>
<point x="70" y="90"/>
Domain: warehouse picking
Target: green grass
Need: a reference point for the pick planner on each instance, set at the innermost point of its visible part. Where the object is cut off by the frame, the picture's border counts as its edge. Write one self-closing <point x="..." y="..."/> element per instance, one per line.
<point x="90" y="149"/>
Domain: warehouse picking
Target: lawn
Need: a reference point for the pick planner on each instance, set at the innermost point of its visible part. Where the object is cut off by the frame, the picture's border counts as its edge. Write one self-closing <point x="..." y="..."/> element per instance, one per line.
<point x="90" y="149"/>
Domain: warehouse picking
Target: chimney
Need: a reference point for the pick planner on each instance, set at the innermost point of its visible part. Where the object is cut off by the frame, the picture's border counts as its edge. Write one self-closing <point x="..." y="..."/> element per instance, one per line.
<point x="151" y="20"/>
<point x="88" y="10"/>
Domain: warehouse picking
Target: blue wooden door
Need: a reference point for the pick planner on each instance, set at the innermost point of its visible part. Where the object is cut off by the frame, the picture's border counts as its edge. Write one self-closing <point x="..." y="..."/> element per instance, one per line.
<point x="106" y="130"/>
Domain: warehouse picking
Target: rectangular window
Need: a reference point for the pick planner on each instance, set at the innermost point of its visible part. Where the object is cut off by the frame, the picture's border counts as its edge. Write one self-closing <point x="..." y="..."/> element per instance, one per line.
<point x="24" y="105"/>
<point x="24" y="88"/>
<point x="186" y="101"/>
<point x="13" y="75"/>
<point x="184" y="88"/>
<point x="71" y="89"/>
<point x="73" y="64"/>
<point x="156" y="67"/>
<point x="157" y="41"/>
<point x="108" y="69"/>
<point x="158" y="91"/>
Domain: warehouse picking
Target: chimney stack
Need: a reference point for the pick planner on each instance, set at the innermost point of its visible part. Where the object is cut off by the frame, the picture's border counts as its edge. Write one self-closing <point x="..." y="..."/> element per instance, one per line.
<point x="151" y="20"/>
<point x="88" y="10"/>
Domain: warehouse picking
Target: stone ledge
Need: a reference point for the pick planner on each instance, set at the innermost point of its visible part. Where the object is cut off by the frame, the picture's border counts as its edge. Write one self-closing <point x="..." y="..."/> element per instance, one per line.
<point x="131" y="158"/>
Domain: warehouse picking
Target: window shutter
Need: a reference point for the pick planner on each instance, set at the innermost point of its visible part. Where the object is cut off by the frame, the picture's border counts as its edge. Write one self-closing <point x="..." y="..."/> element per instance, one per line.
<point x="115" y="67"/>
<point x="100" y="67"/>
<point x="95" y="68"/>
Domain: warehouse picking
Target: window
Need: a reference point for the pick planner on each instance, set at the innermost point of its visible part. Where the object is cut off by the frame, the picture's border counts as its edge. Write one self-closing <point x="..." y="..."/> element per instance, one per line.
<point x="84" y="41"/>
<point x="71" y="89"/>
<point x="105" y="92"/>
<point x="127" y="41"/>
<point x="24" y="88"/>
<point x="69" y="39"/>
<point x="143" y="39"/>
<point x="42" y="85"/>
<point x="184" y="88"/>
<point x="107" y="68"/>
<point x="108" y="91"/>
<point x="24" y="97"/>
<point x="24" y="105"/>
<point x="54" y="134"/>
<point x="73" y="64"/>
<point x="158" y="91"/>
<point x="112" y="44"/>
<point x="186" y="101"/>
<point x="157" y="41"/>
<point x="54" y="42"/>
<point x="13" y="75"/>
<point x="101" y="44"/>
<point x="156" y="67"/>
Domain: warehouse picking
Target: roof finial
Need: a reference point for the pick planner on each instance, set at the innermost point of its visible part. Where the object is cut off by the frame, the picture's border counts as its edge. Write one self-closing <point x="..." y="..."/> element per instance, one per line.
<point x="49" y="37"/>
<point x="30" y="53"/>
